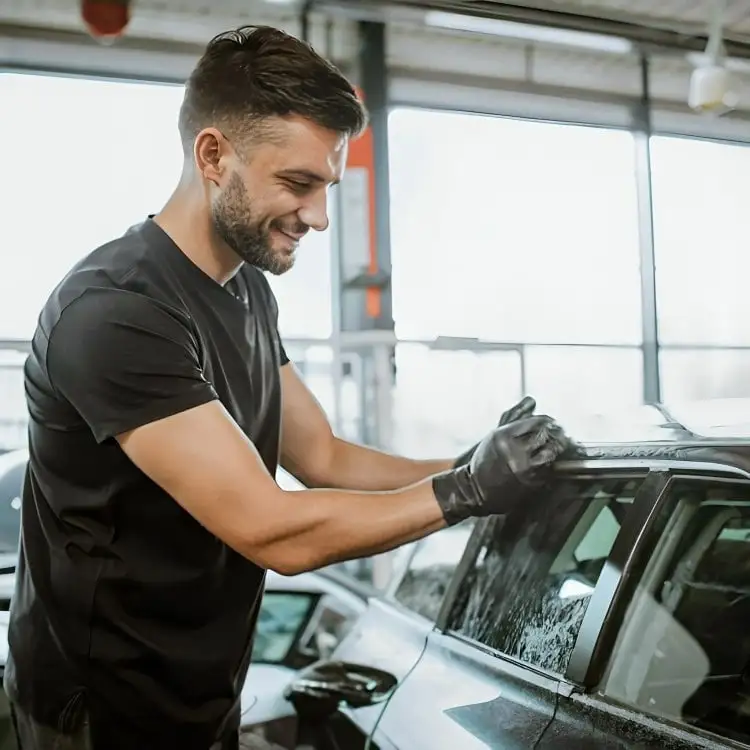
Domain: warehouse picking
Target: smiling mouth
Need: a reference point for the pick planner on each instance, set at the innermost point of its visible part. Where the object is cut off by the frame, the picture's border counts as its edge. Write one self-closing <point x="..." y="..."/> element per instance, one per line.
<point x="293" y="237"/>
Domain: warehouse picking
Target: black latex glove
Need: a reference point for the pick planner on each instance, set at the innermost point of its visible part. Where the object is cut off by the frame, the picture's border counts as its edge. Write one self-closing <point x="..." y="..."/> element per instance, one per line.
<point x="511" y="461"/>
<point x="523" y="409"/>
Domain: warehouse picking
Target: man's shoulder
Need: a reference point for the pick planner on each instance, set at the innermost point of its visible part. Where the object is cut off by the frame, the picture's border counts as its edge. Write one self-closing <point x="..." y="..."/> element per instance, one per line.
<point x="113" y="271"/>
<point x="108" y="265"/>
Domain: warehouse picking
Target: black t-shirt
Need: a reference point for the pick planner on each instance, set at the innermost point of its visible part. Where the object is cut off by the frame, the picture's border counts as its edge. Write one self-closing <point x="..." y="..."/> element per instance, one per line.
<point x="124" y="604"/>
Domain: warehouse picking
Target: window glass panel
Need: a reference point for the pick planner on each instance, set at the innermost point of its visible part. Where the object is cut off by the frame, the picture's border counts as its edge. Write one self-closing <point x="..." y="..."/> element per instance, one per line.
<point x="684" y="649"/>
<point x="688" y="374"/>
<point x="331" y="624"/>
<point x="431" y="569"/>
<point x="444" y="401"/>
<point x="280" y="622"/>
<point x="112" y="157"/>
<point x="537" y="569"/>
<point x="513" y="230"/>
<point x="582" y="379"/>
<point x="702" y="263"/>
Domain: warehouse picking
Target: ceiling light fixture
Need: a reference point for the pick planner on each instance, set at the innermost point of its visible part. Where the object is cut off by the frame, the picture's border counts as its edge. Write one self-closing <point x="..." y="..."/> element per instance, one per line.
<point x="528" y="32"/>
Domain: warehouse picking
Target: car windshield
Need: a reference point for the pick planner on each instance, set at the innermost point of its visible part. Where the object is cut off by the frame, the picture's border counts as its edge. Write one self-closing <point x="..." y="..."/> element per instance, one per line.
<point x="10" y="506"/>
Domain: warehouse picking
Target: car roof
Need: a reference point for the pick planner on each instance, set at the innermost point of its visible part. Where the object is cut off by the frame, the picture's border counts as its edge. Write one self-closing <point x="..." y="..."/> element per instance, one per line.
<point x="713" y="431"/>
<point x="712" y="422"/>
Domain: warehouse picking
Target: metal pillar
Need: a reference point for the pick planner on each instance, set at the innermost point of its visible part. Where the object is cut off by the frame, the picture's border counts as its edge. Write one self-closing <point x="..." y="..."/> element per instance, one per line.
<point x="364" y="335"/>
<point x="642" y="136"/>
<point x="374" y="81"/>
<point x="364" y="317"/>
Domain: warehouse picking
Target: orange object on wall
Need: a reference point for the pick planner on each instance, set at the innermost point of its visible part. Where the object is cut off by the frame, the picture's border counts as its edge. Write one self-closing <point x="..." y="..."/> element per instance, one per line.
<point x="362" y="155"/>
<point x="106" y="19"/>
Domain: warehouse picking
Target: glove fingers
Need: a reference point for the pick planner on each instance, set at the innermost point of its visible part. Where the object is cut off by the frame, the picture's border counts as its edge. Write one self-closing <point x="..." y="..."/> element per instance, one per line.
<point x="524" y="408"/>
<point x="530" y="426"/>
<point x="547" y="454"/>
<point x="546" y="431"/>
<point x="551" y="438"/>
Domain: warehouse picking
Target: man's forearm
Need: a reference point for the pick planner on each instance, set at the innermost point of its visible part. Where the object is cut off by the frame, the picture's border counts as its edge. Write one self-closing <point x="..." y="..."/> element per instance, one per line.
<point x="357" y="467"/>
<point x="313" y="528"/>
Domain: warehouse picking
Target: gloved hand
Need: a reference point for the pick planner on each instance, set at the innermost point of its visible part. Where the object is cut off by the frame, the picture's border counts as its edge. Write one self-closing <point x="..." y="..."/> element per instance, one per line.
<point x="524" y="408"/>
<point x="512" y="460"/>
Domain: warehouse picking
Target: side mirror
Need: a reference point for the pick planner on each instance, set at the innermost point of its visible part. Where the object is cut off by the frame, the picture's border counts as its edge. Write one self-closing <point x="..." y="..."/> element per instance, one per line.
<point x="319" y="690"/>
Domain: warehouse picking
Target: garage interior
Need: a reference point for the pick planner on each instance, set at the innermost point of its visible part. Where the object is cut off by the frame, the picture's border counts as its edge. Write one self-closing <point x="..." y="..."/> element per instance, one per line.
<point x="589" y="155"/>
<point x="600" y="88"/>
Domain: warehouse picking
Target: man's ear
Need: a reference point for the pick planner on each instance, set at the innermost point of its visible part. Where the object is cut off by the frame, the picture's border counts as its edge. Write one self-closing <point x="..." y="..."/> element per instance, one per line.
<point x="210" y="151"/>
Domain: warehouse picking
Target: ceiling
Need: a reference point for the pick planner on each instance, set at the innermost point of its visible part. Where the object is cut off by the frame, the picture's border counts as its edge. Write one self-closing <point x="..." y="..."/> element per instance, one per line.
<point x="676" y="18"/>
<point x="656" y="25"/>
<point x="664" y="24"/>
<point x="688" y="17"/>
<point x="684" y="16"/>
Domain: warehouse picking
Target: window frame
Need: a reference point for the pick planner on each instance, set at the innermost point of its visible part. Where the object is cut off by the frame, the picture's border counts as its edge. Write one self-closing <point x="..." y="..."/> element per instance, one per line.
<point x="620" y="573"/>
<point x="664" y="507"/>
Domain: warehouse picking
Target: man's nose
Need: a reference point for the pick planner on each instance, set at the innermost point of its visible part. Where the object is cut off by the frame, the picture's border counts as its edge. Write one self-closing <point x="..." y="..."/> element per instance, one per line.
<point x="315" y="212"/>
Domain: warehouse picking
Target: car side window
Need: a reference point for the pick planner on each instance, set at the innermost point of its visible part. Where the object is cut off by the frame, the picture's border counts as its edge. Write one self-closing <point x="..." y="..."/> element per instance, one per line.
<point x="328" y="627"/>
<point x="536" y="569"/>
<point x="281" y="620"/>
<point x="683" y="651"/>
<point x="431" y="568"/>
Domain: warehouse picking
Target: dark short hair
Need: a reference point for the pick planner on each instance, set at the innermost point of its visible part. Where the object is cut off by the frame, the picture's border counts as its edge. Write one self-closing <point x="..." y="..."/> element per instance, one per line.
<point x="248" y="75"/>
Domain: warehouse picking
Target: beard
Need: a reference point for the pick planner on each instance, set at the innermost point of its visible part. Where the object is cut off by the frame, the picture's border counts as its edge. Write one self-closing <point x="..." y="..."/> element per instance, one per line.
<point x="236" y="223"/>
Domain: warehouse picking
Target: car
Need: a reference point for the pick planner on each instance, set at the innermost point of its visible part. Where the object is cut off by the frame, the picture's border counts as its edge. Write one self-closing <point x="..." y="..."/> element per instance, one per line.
<point x="302" y="618"/>
<point x="610" y="610"/>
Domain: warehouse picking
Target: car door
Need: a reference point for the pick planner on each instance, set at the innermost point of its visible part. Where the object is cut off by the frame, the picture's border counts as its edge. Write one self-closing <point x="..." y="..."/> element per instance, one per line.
<point x="491" y="670"/>
<point x="387" y="640"/>
<point x="672" y="668"/>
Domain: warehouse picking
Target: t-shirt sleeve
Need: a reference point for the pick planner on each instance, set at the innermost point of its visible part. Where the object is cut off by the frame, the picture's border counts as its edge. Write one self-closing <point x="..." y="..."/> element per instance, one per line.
<point x="123" y="360"/>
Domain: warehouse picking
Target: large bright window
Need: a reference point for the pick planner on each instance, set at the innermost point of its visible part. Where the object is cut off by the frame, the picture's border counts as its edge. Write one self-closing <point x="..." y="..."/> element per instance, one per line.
<point x="702" y="263"/>
<point x="701" y="224"/>
<point x="518" y="232"/>
<point x="513" y="230"/>
<point x="90" y="158"/>
<point x="86" y="159"/>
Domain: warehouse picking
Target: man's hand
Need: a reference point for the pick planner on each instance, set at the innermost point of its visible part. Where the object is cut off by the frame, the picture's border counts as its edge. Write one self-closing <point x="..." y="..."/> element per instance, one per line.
<point x="511" y="460"/>
<point x="523" y="409"/>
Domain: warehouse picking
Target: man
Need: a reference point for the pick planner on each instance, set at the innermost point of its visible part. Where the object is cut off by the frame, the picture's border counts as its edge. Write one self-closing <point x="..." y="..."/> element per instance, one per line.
<point x="160" y="400"/>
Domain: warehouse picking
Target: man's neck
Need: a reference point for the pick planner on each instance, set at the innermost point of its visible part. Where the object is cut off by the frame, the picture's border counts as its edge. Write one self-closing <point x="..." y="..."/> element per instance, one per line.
<point x="186" y="220"/>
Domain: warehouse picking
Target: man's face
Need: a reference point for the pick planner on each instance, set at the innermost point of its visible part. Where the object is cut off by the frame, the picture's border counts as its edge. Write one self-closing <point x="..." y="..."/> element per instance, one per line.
<point x="269" y="202"/>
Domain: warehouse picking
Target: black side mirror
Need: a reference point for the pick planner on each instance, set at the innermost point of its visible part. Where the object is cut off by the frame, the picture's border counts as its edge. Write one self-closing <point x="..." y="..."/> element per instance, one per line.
<point x="324" y="686"/>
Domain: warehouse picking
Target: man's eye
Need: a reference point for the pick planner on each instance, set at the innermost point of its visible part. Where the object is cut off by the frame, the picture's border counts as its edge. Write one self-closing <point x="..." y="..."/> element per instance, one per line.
<point x="300" y="187"/>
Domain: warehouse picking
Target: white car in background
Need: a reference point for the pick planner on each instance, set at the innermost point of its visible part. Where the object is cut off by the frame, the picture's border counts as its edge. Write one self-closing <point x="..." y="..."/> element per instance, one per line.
<point x="302" y="617"/>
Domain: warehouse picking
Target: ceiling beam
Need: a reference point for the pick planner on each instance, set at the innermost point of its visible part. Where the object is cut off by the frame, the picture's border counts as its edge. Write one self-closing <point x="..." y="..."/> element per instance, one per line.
<point x="649" y="39"/>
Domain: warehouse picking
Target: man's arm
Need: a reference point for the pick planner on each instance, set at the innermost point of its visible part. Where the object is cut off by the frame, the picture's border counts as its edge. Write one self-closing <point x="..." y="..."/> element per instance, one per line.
<point x="131" y="369"/>
<point x="312" y="453"/>
<point x="203" y="460"/>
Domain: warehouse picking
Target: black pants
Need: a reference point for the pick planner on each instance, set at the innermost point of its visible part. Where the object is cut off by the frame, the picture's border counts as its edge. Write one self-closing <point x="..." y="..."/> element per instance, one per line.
<point x="30" y="735"/>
